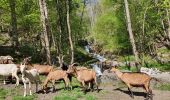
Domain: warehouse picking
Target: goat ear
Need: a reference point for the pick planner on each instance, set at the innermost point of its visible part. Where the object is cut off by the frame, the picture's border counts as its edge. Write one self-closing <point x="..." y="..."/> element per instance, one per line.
<point x="29" y="57"/>
<point x="20" y="63"/>
<point x="116" y="66"/>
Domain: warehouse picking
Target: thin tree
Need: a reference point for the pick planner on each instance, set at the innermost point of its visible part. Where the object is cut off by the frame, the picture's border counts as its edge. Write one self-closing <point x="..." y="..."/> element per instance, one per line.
<point x="12" y="4"/>
<point x="167" y="12"/>
<point x="132" y="41"/>
<point x="69" y="31"/>
<point x="44" y="20"/>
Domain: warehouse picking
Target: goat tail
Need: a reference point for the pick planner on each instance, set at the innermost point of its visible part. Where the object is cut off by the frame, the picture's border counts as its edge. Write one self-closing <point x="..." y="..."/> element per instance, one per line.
<point x="155" y="79"/>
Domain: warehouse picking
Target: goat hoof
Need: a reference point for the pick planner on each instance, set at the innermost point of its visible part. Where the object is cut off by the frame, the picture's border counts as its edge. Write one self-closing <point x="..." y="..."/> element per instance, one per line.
<point x="151" y="98"/>
<point x="132" y="97"/>
<point x="53" y="91"/>
<point x="85" y="92"/>
<point x="69" y="89"/>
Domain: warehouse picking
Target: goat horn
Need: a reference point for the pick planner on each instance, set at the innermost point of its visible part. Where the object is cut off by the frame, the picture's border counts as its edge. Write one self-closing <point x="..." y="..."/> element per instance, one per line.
<point x="63" y="56"/>
<point x="73" y="64"/>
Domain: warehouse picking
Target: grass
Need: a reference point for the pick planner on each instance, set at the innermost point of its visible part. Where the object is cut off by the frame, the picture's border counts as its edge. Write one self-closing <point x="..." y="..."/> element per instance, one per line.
<point x="75" y="94"/>
<point x="14" y="93"/>
<point x="3" y="93"/>
<point x="165" y="87"/>
<point x="21" y="97"/>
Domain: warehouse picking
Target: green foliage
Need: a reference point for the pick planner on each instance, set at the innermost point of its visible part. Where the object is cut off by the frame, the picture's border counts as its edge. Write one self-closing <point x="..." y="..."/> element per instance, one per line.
<point x="109" y="31"/>
<point x="3" y="39"/>
<point x="147" y="17"/>
<point x="162" y="67"/>
<point x="29" y="50"/>
<point x="81" y="56"/>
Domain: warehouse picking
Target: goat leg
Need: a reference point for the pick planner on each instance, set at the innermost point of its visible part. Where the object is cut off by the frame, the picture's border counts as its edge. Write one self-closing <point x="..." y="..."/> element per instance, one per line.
<point x="53" y="83"/>
<point x="25" y="88"/>
<point x="70" y="81"/>
<point x="65" y="84"/>
<point x="91" y="86"/>
<point x="84" y="87"/>
<point x="150" y="93"/>
<point x="36" y="87"/>
<point x="30" y="88"/>
<point x="95" y="79"/>
<point x="131" y="93"/>
<point x="129" y="88"/>
<point x="17" y="79"/>
<point x="4" y="80"/>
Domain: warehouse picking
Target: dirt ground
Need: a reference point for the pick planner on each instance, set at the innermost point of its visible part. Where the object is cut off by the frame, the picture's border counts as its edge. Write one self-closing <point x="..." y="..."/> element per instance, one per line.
<point x="107" y="92"/>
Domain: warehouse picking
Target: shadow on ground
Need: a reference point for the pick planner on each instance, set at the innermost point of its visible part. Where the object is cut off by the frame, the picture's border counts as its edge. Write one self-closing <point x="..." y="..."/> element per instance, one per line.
<point x="134" y="93"/>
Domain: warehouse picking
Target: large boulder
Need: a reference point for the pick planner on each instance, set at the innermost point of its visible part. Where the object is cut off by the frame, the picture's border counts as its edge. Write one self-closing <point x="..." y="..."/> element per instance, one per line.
<point x="154" y="72"/>
<point x="108" y="77"/>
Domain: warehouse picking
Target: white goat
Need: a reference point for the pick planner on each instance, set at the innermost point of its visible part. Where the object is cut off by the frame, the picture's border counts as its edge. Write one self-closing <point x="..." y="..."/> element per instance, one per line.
<point x="9" y="69"/>
<point x="29" y="76"/>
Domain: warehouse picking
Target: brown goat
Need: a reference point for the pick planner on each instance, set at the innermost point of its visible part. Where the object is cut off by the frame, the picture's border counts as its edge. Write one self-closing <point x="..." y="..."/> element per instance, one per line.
<point x="84" y="76"/>
<point x="133" y="79"/>
<point x="43" y="69"/>
<point x="81" y="68"/>
<point x="54" y="76"/>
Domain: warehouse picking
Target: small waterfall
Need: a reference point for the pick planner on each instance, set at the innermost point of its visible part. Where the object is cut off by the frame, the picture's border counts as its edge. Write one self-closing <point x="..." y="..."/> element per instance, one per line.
<point x="98" y="57"/>
<point x="97" y="69"/>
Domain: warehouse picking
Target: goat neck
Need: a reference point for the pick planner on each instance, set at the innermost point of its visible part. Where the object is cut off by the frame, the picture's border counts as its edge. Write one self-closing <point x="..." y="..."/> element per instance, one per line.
<point x="22" y="68"/>
<point x="75" y="72"/>
<point x="119" y="73"/>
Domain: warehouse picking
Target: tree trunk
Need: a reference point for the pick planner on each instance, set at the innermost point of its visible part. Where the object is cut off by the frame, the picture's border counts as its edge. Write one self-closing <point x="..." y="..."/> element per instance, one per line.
<point x="81" y="20"/>
<point x="91" y="13"/>
<point x="69" y="32"/>
<point x="132" y="41"/>
<point x="168" y="24"/>
<point x="59" y="29"/>
<point x="44" y="20"/>
<point x="14" y="33"/>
